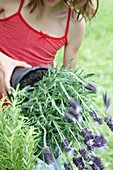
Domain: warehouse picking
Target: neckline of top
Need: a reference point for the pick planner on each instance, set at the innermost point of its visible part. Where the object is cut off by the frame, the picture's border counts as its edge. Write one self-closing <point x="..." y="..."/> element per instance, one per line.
<point x="30" y="27"/>
<point x="18" y="13"/>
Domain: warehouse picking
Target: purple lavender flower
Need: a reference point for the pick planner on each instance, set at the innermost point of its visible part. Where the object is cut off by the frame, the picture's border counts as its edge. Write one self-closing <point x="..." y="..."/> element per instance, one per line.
<point x="84" y="154"/>
<point x="85" y="132"/>
<point x="93" y="113"/>
<point x="109" y="122"/>
<point x="111" y="127"/>
<point x="90" y="148"/>
<point x="75" y="110"/>
<point x="91" y="88"/>
<point x="71" y="151"/>
<point x="107" y="102"/>
<point x="68" y="166"/>
<point x="70" y="118"/>
<point x="79" y="118"/>
<point x="94" y="166"/>
<point x="95" y="118"/>
<point x="72" y="111"/>
<point x="94" y="141"/>
<point x="108" y="119"/>
<point x="79" y="162"/>
<point x="89" y="140"/>
<point x="99" y="120"/>
<point x="48" y="158"/>
<point x="64" y="144"/>
<point x="75" y="105"/>
<point x="76" y="114"/>
<point x="98" y="162"/>
<point x="100" y="142"/>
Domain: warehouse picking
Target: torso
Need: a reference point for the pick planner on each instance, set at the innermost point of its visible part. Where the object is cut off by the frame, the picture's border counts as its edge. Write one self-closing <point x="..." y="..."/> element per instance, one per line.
<point x="50" y="28"/>
<point x="51" y="24"/>
<point x="23" y="36"/>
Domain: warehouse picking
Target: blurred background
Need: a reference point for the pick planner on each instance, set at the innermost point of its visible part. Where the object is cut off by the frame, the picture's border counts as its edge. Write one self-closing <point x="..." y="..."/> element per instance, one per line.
<point x="96" y="56"/>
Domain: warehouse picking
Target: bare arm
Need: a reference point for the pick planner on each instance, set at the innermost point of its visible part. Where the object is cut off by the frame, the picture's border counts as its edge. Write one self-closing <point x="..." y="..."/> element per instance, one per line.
<point x="76" y="34"/>
<point x="7" y="66"/>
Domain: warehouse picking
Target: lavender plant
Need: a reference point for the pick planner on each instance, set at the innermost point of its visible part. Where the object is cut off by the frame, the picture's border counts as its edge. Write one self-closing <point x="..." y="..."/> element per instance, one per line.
<point x="62" y="106"/>
<point x="18" y="140"/>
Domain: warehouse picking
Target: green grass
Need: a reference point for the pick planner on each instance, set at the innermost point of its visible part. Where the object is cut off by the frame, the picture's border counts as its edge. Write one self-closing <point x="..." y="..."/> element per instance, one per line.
<point x="96" y="56"/>
<point x="96" y="52"/>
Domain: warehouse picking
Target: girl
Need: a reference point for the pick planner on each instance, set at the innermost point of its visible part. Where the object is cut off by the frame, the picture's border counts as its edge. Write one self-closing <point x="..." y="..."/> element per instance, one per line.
<point x="32" y="31"/>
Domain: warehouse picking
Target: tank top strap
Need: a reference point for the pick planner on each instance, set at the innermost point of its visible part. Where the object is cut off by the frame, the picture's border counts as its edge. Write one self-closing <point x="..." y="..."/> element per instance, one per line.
<point x="68" y="21"/>
<point x="20" y="7"/>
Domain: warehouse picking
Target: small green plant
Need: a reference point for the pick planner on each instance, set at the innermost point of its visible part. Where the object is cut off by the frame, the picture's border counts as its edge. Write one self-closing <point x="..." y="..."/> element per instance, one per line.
<point x="18" y="140"/>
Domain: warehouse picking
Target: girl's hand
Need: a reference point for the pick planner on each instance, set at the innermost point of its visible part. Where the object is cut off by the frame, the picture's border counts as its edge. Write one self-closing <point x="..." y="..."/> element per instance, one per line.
<point x="7" y="66"/>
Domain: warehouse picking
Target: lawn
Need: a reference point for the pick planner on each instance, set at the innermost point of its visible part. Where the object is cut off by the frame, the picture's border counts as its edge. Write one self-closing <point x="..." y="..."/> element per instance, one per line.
<point x="96" y="56"/>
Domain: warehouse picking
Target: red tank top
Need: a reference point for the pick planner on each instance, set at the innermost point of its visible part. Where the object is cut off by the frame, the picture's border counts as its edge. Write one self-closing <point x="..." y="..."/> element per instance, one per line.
<point x="22" y="42"/>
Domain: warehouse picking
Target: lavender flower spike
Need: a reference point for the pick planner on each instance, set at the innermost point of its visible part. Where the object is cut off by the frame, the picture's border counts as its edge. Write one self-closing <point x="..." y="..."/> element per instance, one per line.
<point x="64" y="144"/>
<point x="70" y="118"/>
<point x="68" y="166"/>
<point x="48" y="158"/>
<point x="91" y="88"/>
<point x="109" y="122"/>
<point x="84" y="154"/>
<point x="98" y="162"/>
<point x="100" y="142"/>
<point x="75" y="105"/>
<point x="107" y="102"/>
<point x="95" y="117"/>
<point x="79" y="118"/>
<point x="79" y="162"/>
<point x="71" y="151"/>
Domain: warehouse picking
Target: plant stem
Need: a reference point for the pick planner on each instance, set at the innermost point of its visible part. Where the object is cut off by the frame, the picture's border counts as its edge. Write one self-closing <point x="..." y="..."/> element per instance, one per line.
<point x="90" y="126"/>
<point x="99" y="109"/>
<point x="77" y="78"/>
<point x="79" y="124"/>
<point x="75" y="138"/>
<point x="81" y="99"/>
<point x="53" y="103"/>
<point x="57" y="143"/>
<point x="64" y="90"/>
<point x="44" y="138"/>
<point x="61" y="135"/>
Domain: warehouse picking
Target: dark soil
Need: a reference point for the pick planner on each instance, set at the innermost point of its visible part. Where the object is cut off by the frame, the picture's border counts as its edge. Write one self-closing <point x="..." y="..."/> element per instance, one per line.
<point x="32" y="77"/>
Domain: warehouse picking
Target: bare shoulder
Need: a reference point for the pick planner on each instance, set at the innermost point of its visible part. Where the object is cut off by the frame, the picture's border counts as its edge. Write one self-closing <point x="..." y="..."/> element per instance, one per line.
<point x="76" y="29"/>
<point x="78" y="24"/>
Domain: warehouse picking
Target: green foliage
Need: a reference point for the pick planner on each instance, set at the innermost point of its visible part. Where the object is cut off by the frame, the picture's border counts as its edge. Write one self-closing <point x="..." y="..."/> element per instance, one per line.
<point x="45" y="110"/>
<point x="47" y="104"/>
<point x="96" y="56"/>
<point x="18" y="140"/>
<point x="96" y="52"/>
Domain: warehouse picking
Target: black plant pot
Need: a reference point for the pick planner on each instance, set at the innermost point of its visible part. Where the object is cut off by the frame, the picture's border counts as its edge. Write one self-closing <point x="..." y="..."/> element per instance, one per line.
<point x="27" y="76"/>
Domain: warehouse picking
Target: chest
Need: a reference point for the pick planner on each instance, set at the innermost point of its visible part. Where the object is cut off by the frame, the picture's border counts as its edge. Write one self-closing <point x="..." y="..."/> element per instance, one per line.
<point x="52" y="25"/>
<point x="21" y="42"/>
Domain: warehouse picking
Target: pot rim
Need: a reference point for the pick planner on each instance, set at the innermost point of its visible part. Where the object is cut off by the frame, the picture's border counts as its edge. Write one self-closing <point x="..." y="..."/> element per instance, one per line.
<point x="28" y="71"/>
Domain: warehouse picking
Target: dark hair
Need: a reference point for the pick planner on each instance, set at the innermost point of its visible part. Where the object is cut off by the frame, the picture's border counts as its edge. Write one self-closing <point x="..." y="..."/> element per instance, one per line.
<point x="86" y="8"/>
